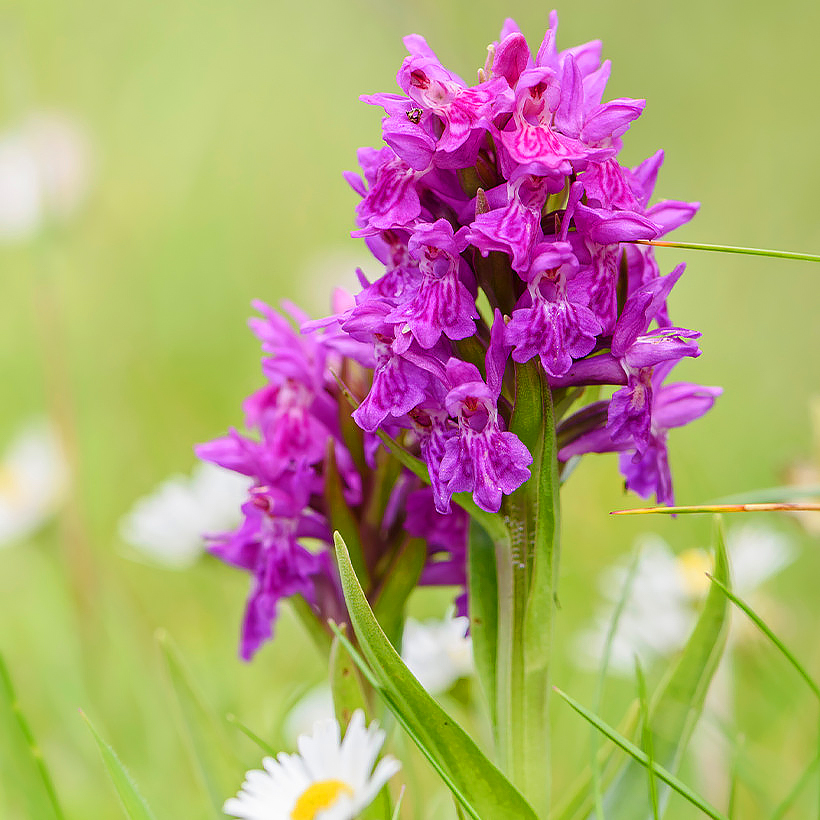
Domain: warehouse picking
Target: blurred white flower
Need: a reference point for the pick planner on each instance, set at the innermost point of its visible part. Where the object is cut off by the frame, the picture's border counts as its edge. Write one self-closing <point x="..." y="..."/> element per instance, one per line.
<point x="44" y="173"/>
<point x="33" y="481"/>
<point x="168" y="525"/>
<point x="315" y="706"/>
<point x="330" y="779"/>
<point x="805" y="474"/>
<point x="661" y="604"/>
<point x="438" y="653"/>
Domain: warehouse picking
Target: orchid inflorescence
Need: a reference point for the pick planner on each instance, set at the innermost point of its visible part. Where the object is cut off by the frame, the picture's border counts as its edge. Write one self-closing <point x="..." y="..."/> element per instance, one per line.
<point x="506" y="227"/>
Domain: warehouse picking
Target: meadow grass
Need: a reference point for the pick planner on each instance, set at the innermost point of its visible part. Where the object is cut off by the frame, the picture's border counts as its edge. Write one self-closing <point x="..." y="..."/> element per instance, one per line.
<point x="220" y="132"/>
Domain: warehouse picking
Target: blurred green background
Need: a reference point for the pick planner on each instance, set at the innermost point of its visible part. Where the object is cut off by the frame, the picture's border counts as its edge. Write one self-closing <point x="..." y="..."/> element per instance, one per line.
<point x="219" y="134"/>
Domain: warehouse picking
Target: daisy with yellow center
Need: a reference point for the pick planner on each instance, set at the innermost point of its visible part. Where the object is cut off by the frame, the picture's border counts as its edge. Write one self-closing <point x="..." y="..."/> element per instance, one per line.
<point x="329" y="779"/>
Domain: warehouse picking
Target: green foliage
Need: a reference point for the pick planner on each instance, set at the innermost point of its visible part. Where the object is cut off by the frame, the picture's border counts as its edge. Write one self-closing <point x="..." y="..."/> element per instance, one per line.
<point x="208" y="742"/>
<point x="642" y="760"/>
<point x="133" y="803"/>
<point x="478" y="785"/>
<point x="678" y="702"/>
<point x="36" y="784"/>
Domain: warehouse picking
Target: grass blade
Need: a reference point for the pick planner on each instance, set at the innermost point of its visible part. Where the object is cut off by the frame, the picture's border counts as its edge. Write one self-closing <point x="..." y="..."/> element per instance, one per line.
<point x="679" y="701"/>
<point x="721" y="508"/>
<point x="794" y="793"/>
<point x="578" y="801"/>
<point x="699" y="246"/>
<point x="599" y="684"/>
<point x="251" y="735"/>
<point x="133" y="803"/>
<point x="43" y="778"/>
<point x="204" y="730"/>
<point x="637" y="754"/>
<point x="646" y="738"/>
<point x="766" y="630"/>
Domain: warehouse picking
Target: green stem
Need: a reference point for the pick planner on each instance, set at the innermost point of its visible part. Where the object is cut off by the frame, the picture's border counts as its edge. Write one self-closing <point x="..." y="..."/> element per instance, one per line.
<point x="698" y="246"/>
<point x="531" y="516"/>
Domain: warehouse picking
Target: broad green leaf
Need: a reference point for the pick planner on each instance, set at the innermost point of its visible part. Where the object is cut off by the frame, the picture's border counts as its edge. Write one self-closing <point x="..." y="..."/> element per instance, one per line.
<point x="389" y="700"/>
<point x="642" y="760"/>
<point x="347" y="685"/>
<point x="679" y="701"/>
<point x="480" y="786"/>
<point x="349" y="695"/>
<point x="133" y="802"/>
<point x="400" y="579"/>
<point x="36" y="784"/>
<point x="207" y="740"/>
<point x="483" y="587"/>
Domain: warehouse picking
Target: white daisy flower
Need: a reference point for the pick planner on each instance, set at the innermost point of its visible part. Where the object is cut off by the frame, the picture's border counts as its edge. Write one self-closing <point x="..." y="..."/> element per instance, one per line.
<point x="437" y="652"/>
<point x="328" y="780"/>
<point x="666" y="589"/>
<point x="168" y="525"/>
<point x="33" y="481"/>
<point x="44" y="173"/>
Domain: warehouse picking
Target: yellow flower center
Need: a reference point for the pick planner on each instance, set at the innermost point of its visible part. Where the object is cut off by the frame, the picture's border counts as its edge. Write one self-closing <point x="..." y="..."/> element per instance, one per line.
<point x="318" y="797"/>
<point x="693" y="564"/>
<point x="10" y="487"/>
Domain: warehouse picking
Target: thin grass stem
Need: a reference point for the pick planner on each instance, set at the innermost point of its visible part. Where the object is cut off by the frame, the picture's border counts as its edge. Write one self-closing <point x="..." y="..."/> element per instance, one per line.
<point x="764" y="628"/>
<point x="699" y="246"/>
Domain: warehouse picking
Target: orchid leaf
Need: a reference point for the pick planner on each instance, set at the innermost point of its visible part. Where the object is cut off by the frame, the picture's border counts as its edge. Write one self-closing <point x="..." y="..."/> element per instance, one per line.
<point x="480" y="787"/>
<point x="349" y="695"/>
<point x="346" y="684"/>
<point x="133" y="802"/>
<point x="678" y="703"/>
<point x="483" y="597"/>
